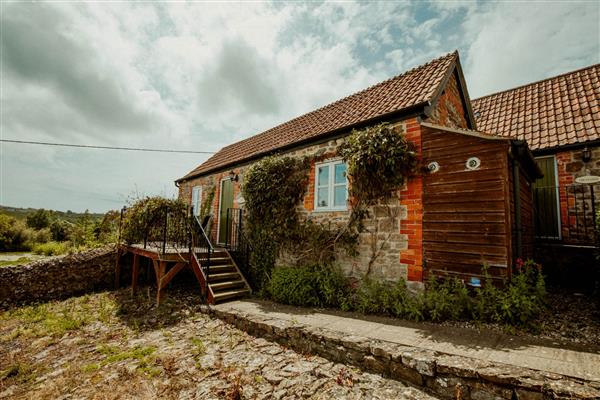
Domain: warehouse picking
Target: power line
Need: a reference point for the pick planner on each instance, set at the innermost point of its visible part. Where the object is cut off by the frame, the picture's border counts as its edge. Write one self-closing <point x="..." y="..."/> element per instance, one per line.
<point x="105" y="147"/>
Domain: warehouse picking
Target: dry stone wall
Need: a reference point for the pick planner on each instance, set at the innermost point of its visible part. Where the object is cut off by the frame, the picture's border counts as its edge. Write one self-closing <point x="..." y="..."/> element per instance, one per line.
<point x="57" y="277"/>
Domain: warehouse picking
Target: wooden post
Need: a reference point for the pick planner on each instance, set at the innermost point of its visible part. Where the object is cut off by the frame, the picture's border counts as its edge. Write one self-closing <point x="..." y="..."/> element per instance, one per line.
<point x="118" y="268"/>
<point x="135" y="272"/>
<point x="161" y="272"/>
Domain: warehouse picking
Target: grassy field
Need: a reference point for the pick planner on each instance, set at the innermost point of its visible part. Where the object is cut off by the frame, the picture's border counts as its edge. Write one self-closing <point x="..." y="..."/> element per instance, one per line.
<point x="19" y="257"/>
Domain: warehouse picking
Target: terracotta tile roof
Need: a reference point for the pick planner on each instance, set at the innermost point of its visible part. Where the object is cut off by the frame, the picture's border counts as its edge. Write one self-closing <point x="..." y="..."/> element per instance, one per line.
<point x="412" y="88"/>
<point x="554" y="112"/>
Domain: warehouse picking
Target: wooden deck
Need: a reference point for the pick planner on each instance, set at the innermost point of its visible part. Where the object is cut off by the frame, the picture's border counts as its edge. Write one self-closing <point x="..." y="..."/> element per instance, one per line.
<point x="226" y="280"/>
<point x="166" y="265"/>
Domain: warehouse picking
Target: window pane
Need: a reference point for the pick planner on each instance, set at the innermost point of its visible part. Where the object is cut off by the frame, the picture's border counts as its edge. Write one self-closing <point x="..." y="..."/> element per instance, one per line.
<point x="322" y="200"/>
<point x="339" y="196"/>
<point x="323" y="175"/>
<point x="340" y="173"/>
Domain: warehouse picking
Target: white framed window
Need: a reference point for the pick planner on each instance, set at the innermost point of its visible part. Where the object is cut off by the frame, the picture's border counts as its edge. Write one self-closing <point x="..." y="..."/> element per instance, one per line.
<point x="331" y="186"/>
<point x="197" y="199"/>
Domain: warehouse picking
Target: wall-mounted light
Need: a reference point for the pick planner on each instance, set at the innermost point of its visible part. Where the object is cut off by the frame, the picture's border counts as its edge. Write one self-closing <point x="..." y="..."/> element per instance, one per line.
<point x="234" y="177"/>
<point x="586" y="154"/>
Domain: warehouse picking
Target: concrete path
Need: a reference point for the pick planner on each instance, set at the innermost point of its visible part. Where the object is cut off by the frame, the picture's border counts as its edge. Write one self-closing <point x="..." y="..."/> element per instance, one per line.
<point x="542" y="355"/>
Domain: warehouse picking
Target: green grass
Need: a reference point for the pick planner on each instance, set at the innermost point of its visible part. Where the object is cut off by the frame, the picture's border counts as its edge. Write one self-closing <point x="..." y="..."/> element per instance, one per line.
<point x="52" y="248"/>
<point x="21" y="372"/>
<point x="144" y="355"/>
<point x="56" y="318"/>
<point x="18" y="261"/>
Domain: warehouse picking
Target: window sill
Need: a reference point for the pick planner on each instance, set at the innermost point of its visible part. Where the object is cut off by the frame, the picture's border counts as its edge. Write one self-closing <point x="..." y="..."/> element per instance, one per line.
<point x="329" y="210"/>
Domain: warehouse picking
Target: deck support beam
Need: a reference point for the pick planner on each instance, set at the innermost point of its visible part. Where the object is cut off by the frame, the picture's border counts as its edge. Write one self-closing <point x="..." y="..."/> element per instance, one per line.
<point x="135" y="272"/>
<point x="118" y="269"/>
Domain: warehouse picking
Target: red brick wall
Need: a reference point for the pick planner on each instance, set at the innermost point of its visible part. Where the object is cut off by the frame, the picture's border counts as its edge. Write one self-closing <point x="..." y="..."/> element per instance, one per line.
<point x="449" y="110"/>
<point x="570" y="165"/>
<point x="185" y="193"/>
<point x="412" y="197"/>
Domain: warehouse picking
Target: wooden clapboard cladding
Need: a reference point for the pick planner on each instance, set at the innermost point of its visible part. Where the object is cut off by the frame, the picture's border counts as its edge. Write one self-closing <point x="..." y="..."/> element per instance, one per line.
<point x="527" y="218"/>
<point x="466" y="218"/>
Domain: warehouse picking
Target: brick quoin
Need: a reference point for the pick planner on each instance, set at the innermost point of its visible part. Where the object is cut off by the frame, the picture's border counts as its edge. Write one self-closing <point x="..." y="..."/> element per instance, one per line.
<point x="412" y="197"/>
<point x="309" y="198"/>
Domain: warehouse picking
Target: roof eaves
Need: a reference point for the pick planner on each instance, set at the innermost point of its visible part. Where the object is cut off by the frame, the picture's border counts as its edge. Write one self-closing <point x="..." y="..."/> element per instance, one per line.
<point x="405" y="112"/>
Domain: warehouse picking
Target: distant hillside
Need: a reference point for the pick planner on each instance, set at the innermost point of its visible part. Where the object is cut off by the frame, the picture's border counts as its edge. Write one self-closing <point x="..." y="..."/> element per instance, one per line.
<point x="21" y="213"/>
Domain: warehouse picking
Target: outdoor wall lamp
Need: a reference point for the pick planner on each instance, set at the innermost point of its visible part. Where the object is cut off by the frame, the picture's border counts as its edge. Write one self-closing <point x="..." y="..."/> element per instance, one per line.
<point x="586" y="154"/>
<point x="234" y="177"/>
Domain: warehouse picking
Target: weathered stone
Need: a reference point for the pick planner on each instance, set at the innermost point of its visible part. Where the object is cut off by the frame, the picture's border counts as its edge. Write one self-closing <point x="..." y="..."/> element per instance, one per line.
<point x="422" y="361"/>
<point x="459" y="366"/>
<point x="376" y="365"/>
<point x="523" y="394"/>
<point x="404" y="373"/>
<point x="58" y="277"/>
<point x="447" y="387"/>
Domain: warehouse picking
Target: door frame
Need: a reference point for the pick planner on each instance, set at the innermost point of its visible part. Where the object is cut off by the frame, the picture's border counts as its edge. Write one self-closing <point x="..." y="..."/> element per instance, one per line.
<point x="220" y="204"/>
<point x="557" y="192"/>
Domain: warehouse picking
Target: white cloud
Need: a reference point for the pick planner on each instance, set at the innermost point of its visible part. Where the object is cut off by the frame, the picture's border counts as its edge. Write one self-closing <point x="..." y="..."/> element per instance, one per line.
<point x="201" y="75"/>
<point x="512" y="43"/>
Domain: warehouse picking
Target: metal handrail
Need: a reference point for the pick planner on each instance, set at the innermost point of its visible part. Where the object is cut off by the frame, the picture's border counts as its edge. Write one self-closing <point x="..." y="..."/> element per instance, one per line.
<point x="199" y="240"/>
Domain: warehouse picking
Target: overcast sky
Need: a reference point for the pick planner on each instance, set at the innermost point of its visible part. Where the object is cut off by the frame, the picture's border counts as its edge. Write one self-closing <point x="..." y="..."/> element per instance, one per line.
<point x="202" y="75"/>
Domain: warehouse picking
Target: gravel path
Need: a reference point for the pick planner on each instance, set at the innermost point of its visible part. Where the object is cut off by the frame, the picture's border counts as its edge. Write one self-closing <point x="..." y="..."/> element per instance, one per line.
<point x="109" y="346"/>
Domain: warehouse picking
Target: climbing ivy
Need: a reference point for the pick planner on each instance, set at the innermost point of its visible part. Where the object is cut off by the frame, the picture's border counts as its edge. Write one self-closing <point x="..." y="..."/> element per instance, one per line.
<point x="379" y="160"/>
<point x="272" y="189"/>
<point x="206" y="206"/>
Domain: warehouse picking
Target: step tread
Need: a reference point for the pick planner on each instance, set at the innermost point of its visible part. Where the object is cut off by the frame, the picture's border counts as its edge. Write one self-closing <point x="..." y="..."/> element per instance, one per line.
<point x="222" y="267"/>
<point x="222" y="275"/>
<point x="230" y="293"/>
<point x="227" y="284"/>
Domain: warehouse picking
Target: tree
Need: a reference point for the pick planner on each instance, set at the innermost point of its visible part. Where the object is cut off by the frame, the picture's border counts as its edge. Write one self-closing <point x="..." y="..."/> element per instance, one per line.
<point x="40" y="219"/>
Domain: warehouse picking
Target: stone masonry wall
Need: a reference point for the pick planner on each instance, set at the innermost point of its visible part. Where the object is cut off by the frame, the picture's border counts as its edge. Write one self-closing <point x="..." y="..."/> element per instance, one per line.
<point x="379" y="246"/>
<point x="57" y="277"/>
<point x="446" y="376"/>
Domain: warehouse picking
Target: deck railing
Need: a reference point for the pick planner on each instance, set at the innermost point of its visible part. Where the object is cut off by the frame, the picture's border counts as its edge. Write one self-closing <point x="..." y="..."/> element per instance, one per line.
<point x="200" y="247"/>
<point x="166" y="230"/>
<point x="236" y="241"/>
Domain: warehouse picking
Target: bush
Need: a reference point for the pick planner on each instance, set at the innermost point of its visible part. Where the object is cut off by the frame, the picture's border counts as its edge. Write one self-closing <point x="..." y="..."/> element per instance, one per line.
<point x="39" y="219"/>
<point x="518" y="303"/>
<point x="52" y="248"/>
<point x="14" y="234"/>
<point x="445" y="298"/>
<point x="311" y="286"/>
<point x="147" y="216"/>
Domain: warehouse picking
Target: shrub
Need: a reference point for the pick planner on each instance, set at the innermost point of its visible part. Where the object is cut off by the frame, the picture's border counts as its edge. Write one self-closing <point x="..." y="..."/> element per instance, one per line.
<point x="14" y="234"/>
<point x="518" y="303"/>
<point x="52" y="248"/>
<point x="39" y="219"/>
<point x="146" y="216"/>
<point x="445" y="298"/>
<point x="310" y="286"/>
<point x="60" y="230"/>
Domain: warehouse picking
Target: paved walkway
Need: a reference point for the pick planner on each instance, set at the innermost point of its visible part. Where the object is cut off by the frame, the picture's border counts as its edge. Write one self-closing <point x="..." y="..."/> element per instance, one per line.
<point x="542" y="355"/>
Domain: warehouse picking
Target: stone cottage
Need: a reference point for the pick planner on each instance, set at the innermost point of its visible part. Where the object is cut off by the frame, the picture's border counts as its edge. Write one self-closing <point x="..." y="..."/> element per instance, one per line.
<point x="465" y="209"/>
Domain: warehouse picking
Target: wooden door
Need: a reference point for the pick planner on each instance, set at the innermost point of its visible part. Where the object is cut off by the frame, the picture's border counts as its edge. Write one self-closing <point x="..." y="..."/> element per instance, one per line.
<point x="225" y="204"/>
